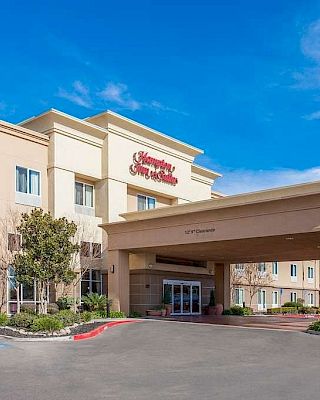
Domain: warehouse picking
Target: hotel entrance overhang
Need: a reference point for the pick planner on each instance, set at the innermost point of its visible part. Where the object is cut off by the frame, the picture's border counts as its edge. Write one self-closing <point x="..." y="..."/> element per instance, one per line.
<point x="278" y="224"/>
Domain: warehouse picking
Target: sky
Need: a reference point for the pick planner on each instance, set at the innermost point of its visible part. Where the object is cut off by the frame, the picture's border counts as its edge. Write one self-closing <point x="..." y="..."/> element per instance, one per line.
<point x="239" y="79"/>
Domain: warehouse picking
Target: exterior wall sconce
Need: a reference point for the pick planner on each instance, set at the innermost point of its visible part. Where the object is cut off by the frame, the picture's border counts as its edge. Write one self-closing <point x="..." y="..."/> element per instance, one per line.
<point x="112" y="269"/>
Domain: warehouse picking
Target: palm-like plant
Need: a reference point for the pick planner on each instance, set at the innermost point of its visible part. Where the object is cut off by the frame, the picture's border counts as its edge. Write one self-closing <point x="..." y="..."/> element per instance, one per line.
<point x="94" y="302"/>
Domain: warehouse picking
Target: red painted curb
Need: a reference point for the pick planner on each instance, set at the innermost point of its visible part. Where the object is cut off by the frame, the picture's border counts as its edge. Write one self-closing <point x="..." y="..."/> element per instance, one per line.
<point x="100" y="329"/>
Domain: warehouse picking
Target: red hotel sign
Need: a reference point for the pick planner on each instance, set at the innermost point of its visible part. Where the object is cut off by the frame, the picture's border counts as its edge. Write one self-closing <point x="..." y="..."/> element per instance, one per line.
<point x="152" y="168"/>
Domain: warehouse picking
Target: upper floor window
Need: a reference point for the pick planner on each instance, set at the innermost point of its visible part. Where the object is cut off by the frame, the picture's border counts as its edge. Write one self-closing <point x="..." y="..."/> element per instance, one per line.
<point x="310" y="273"/>
<point x="239" y="269"/>
<point x="146" y="202"/>
<point x="275" y="268"/>
<point x="88" y="249"/>
<point x="27" y="181"/>
<point x="83" y="194"/>
<point x="293" y="272"/>
<point x="14" y="242"/>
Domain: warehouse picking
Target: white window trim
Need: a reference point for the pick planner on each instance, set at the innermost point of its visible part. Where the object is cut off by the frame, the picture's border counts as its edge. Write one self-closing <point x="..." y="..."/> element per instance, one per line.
<point x="310" y="280"/>
<point x="278" y="297"/>
<point x="28" y="199"/>
<point x="309" y="297"/>
<point x="275" y="277"/>
<point x="291" y="296"/>
<point x="261" y="306"/>
<point x="146" y="203"/>
<point x="294" y="278"/>
<point x="243" y="299"/>
<point x="84" y="184"/>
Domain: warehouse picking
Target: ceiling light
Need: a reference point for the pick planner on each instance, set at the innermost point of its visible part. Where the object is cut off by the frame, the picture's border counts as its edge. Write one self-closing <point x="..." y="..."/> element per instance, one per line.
<point x="289" y="238"/>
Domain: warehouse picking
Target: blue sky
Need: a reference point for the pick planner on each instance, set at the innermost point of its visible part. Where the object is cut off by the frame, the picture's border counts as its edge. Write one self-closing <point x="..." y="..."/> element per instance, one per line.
<point x="240" y="79"/>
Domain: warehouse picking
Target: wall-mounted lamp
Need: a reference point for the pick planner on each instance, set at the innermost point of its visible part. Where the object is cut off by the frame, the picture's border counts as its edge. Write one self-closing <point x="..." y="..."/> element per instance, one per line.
<point x="112" y="269"/>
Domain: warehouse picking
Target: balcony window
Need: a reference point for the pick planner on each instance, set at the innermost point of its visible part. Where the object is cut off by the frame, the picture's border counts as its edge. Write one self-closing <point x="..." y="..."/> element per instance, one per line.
<point x="145" y="202"/>
<point x="28" y="187"/>
<point x="83" y="194"/>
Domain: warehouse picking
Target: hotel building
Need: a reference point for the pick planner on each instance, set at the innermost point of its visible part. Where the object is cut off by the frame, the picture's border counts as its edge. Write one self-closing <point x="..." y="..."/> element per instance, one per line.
<point x="100" y="170"/>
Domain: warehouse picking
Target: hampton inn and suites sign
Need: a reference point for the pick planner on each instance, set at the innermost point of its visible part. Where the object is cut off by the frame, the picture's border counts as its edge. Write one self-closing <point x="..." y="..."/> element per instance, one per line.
<point x="152" y="168"/>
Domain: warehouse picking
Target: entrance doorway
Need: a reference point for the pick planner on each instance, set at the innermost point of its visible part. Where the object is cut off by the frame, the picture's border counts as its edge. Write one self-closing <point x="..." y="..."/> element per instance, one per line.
<point x="185" y="296"/>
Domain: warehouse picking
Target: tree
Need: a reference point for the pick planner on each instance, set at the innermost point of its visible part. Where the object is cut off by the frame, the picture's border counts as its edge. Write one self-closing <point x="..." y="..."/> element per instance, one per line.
<point x="46" y="252"/>
<point x="253" y="275"/>
<point x="9" y="245"/>
<point x="87" y="238"/>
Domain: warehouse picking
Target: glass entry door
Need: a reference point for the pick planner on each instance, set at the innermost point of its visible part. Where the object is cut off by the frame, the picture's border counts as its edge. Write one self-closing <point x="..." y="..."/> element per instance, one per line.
<point x="185" y="296"/>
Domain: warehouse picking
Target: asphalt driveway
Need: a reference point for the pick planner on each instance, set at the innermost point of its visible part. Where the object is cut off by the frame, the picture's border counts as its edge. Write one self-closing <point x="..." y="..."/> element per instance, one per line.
<point x="165" y="360"/>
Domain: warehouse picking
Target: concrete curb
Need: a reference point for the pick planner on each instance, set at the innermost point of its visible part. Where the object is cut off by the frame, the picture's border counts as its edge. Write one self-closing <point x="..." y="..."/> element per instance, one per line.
<point x="312" y="332"/>
<point x="80" y="336"/>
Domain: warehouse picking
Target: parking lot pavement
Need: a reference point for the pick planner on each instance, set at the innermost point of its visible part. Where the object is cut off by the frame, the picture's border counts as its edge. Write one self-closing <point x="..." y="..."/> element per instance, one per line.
<point x="4" y="345"/>
<point x="165" y="360"/>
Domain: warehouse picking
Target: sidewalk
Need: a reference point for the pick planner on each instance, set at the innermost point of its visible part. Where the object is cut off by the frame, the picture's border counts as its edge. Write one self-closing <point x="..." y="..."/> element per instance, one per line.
<point x="268" y="322"/>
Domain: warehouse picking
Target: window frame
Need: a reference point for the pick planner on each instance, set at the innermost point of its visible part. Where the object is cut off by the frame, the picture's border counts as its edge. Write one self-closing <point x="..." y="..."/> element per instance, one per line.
<point x="309" y="295"/>
<point x="294" y="277"/>
<point x="237" y="296"/>
<point x="84" y="184"/>
<point x="275" y="275"/>
<point x="28" y="181"/>
<point x="309" y="277"/>
<point x="278" y="298"/>
<point x="90" y="281"/>
<point x="293" y="297"/>
<point x="146" y="197"/>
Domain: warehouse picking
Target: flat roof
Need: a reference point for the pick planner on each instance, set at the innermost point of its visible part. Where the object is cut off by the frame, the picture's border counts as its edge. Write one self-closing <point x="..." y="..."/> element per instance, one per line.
<point x="284" y="192"/>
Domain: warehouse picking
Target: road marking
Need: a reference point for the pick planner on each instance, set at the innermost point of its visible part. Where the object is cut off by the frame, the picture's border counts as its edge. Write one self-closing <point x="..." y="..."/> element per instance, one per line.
<point x="4" y="345"/>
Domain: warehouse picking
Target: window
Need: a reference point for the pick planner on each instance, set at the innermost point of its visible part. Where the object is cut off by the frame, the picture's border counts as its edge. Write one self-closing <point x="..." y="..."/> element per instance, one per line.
<point x="27" y="181"/>
<point x="293" y="297"/>
<point x="88" y="249"/>
<point x="275" y="299"/>
<point x="310" y="274"/>
<point x="239" y="296"/>
<point x="275" y="268"/>
<point x="239" y="269"/>
<point x="262" y="269"/>
<point x="25" y="294"/>
<point x="145" y="202"/>
<point x="310" y="299"/>
<point x="91" y="282"/>
<point x="14" y="242"/>
<point x="293" y="272"/>
<point x="83" y="194"/>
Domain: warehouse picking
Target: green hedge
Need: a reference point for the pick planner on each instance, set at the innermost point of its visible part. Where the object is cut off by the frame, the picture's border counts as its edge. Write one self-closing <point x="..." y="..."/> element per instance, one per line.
<point x="282" y="310"/>
<point x="238" y="310"/>
<point x="3" y="319"/>
<point x="46" y="323"/>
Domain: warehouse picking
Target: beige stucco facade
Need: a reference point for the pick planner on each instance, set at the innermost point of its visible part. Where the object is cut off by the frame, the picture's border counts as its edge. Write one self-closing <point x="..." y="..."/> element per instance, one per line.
<point x="162" y="222"/>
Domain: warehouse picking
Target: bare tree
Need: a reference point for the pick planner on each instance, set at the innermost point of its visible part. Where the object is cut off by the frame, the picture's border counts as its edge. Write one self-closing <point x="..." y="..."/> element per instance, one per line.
<point x="254" y="276"/>
<point x="9" y="245"/>
<point x="90" y="254"/>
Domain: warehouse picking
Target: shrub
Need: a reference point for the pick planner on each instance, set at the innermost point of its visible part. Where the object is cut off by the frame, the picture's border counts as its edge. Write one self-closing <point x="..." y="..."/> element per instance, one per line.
<point x="117" y="314"/>
<point x="28" y="308"/>
<point x="3" y="319"/>
<point x="65" y="302"/>
<point x="226" y="312"/>
<point x="282" y="310"/>
<point x="46" y="323"/>
<point x="22" y="320"/>
<point x="237" y="310"/>
<point x="135" y="314"/>
<point x="247" y="311"/>
<point x="94" y="302"/>
<point x="53" y="308"/>
<point x="67" y="317"/>
<point x="86" y="316"/>
<point x="292" y="304"/>
<point x="315" y="326"/>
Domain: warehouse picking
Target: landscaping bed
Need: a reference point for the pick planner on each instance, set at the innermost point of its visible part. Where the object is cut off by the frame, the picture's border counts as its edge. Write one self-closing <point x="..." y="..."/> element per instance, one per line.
<point x="74" y="330"/>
